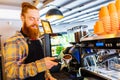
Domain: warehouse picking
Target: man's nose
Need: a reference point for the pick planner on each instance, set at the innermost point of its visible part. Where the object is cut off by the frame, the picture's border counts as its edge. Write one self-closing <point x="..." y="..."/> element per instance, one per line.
<point x="36" y="21"/>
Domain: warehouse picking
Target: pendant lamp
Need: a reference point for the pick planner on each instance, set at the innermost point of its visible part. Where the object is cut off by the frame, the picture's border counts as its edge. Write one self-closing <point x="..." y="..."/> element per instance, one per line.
<point x="54" y="14"/>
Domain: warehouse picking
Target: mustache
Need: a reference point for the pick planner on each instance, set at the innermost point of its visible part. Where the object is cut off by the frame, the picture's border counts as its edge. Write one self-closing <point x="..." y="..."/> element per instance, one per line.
<point x="34" y="25"/>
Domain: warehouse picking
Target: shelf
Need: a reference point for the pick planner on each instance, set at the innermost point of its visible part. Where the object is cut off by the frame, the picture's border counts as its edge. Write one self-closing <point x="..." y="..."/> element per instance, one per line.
<point x="108" y="36"/>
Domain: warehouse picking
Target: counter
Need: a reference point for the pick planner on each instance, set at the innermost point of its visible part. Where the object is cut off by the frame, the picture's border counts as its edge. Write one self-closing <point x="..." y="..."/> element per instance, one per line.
<point x="101" y="74"/>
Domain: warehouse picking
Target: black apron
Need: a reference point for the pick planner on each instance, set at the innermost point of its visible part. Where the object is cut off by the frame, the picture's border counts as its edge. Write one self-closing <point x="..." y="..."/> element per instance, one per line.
<point x="35" y="53"/>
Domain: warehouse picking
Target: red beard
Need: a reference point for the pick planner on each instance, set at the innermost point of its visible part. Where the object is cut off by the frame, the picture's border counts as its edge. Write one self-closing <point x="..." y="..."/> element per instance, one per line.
<point x="30" y="31"/>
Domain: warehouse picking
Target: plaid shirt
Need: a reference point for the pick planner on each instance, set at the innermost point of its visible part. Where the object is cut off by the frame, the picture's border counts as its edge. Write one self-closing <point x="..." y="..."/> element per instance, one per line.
<point x="15" y="51"/>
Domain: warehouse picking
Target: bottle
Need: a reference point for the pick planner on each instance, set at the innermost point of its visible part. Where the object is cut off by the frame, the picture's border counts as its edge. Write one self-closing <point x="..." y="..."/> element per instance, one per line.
<point x="84" y="30"/>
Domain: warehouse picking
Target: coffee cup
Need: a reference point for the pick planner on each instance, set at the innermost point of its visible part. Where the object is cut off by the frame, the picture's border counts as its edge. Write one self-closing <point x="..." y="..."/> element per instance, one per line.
<point x="67" y="58"/>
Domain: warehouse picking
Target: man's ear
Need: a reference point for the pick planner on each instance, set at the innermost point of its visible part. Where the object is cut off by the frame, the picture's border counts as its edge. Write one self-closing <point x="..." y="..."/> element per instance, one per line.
<point x="22" y="18"/>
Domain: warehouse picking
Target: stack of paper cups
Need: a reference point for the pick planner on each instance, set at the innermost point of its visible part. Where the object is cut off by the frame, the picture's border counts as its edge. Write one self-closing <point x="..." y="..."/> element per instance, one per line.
<point x="117" y="3"/>
<point x="105" y="18"/>
<point x="98" y="28"/>
<point x="113" y="17"/>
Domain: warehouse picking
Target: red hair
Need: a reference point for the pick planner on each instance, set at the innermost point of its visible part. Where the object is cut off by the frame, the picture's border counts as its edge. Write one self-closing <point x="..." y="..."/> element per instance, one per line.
<point x="25" y="6"/>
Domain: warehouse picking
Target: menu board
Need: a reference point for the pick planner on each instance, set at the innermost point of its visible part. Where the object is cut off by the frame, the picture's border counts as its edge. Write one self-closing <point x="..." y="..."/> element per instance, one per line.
<point x="46" y="26"/>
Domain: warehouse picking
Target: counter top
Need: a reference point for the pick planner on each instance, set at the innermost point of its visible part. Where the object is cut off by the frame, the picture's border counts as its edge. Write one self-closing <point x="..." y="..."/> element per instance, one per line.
<point x="102" y="74"/>
<point x="62" y="75"/>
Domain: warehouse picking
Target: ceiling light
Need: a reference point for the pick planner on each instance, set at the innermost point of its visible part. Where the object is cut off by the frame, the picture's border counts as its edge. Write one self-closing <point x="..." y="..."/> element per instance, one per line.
<point x="54" y="14"/>
<point x="80" y="13"/>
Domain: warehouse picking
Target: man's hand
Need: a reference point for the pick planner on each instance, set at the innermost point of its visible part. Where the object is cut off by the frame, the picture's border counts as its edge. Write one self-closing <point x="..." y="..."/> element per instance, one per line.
<point x="49" y="61"/>
<point x="48" y="76"/>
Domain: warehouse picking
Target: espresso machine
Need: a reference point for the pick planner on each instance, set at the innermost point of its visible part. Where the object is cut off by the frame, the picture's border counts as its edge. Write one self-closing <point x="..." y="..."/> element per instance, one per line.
<point x="101" y="58"/>
<point x="74" y="51"/>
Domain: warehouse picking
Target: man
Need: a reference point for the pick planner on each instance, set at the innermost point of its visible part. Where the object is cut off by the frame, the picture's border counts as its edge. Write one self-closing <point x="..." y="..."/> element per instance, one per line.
<point x="23" y="54"/>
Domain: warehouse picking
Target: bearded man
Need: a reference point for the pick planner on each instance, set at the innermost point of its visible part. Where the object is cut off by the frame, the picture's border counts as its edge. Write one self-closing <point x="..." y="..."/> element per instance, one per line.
<point x="23" y="53"/>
